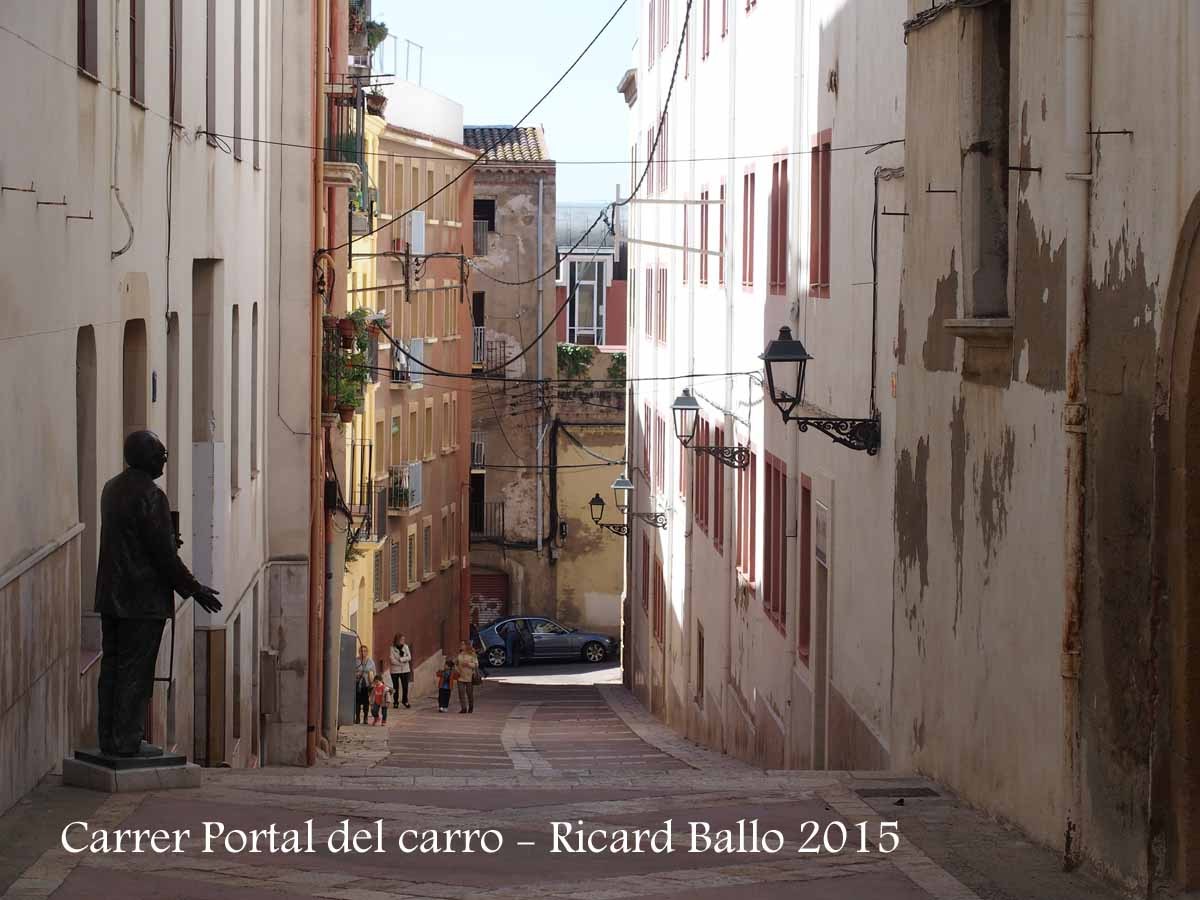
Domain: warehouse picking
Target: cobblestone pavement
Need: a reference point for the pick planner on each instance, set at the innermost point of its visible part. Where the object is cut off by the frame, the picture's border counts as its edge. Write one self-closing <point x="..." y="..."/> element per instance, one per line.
<point x="554" y="745"/>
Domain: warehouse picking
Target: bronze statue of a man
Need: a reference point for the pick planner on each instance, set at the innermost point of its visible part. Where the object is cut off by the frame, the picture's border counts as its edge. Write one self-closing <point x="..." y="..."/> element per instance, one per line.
<point x="137" y="577"/>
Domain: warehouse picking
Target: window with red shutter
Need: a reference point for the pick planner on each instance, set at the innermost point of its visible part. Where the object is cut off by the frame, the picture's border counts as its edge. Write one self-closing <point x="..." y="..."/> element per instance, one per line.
<point x="646" y="437"/>
<point x="724" y="17"/>
<point x="718" y="519"/>
<point x="721" y="238"/>
<point x="774" y="544"/>
<point x="645" y="573"/>
<point x="660" y="455"/>
<point x="651" y="46"/>
<point x="704" y="237"/>
<point x="685" y="254"/>
<point x="649" y="303"/>
<point x="748" y="189"/>
<point x="804" y="609"/>
<point x="819" y="213"/>
<point x="660" y="595"/>
<point x="747" y="503"/>
<point x="663" y="157"/>
<point x="777" y="237"/>
<point x="704" y="29"/>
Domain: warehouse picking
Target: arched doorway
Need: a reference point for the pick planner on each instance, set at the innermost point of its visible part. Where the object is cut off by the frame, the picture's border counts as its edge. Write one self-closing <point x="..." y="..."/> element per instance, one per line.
<point x="1177" y="564"/>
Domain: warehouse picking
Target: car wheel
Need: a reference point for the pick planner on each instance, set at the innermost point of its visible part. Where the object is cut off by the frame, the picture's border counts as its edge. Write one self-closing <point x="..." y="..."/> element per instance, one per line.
<point x="496" y="657"/>
<point x="594" y="652"/>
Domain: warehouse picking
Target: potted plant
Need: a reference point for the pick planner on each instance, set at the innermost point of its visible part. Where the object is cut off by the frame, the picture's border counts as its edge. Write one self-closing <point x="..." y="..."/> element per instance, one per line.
<point x="376" y="33"/>
<point x="329" y="323"/>
<point x="376" y="102"/>
<point x="349" y="399"/>
<point x="348" y="329"/>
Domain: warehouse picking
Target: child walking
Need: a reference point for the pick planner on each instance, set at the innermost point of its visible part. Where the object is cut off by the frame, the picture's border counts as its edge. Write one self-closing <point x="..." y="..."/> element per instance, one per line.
<point x="380" y="696"/>
<point x="446" y="678"/>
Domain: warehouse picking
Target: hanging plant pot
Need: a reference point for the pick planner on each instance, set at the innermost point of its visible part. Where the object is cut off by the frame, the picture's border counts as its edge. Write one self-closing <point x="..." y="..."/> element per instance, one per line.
<point x="376" y="104"/>
<point x="373" y="329"/>
<point x="346" y="414"/>
<point x="328" y="404"/>
<point x="349" y="331"/>
<point x="329" y="323"/>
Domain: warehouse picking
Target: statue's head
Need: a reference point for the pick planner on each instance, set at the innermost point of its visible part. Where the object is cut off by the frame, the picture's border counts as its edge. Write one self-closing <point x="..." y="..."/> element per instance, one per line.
<point x="145" y="452"/>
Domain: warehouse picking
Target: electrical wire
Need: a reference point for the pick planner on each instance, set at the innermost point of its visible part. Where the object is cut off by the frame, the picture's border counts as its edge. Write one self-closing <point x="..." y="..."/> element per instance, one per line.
<point x="926" y="16"/>
<point x="481" y="158"/>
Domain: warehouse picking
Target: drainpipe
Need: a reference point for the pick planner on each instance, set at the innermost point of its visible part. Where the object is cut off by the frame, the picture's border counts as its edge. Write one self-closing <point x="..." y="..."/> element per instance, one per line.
<point x="541" y="407"/>
<point x="1077" y="45"/>
<point x="316" y="493"/>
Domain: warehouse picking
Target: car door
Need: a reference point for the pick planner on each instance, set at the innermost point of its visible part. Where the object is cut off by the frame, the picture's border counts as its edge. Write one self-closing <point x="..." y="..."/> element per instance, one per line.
<point x="549" y="638"/>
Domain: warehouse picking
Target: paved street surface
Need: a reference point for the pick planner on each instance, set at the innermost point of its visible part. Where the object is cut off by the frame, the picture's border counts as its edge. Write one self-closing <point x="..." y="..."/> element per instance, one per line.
<point x="552" y="744"/>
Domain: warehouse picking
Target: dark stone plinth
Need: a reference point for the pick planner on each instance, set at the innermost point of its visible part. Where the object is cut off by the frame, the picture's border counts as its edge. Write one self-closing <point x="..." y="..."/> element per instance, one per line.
<point x="149" y="757"/>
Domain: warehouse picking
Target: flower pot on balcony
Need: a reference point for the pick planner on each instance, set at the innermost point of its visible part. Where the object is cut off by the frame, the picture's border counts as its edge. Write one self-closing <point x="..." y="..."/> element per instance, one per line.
<point x="376" y="104"/>
<point x="349" y="331"/>
<point x="346" y="414"/>
<point x="329" y="323"/>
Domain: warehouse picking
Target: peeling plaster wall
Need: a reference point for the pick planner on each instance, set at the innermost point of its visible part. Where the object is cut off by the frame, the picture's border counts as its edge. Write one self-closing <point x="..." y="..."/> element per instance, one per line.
<point x="506" y="413"/>
<point x="979" y="486"/>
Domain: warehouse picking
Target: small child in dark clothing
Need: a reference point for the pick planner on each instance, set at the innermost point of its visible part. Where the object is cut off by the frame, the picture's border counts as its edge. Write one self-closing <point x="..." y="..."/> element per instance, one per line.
<point x="446" y="678"/>
<point x="380" y="693"/>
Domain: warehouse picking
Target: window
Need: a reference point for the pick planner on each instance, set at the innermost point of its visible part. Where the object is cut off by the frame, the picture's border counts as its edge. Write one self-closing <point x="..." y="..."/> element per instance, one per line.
<point x="650" y="160"/>
<point x="237" y="79"/>
<point x="705" y="18"/>
<point x="453" y="422"/>
<point x="649" y="303"/>
<point x="173" y="52"/>
<point x="256" y="63"/>
<point x="721" y="239"/>
<point x="453" y="531"/>
<point x="660" y="454"/>
<point x="585" y="302"/>
<point x="235" y="396"/>
<point x="645" y="573"/>
<point x="724" y="17"/>
<point x="651" y="46"/>
<point x="700" y="657"/>
<point x="646" y="440"/>
<point x="254" y="391"/>
<point x="137" y="50"/>
<point x="414" y="434"/>
<point x="377" y="577"/>
<point x="746" y="523"/>
<point x="700" y="469"/>
<point x="778" y="231"/>
<point x="748" y="229"/>
<point x="804" y="610"/>
<point x="775" y="546"/>
<point x="718" y="517"/>
<point x="85" y="37"/>
<point x="663" y="154"/>
<point x="660" y="601"/>
<point x="394" y="580"/>
<point x="445" y="523"/>
<point x="427" y="546"/>
<point x="664" y="30"/>
<point x="684" y="253"/>
<point x="704" y="237"/>
<point x="237" y="677"/>
<point x="210" y="72"/>
<point x="411" y="556"/>
<point x="445" y="423"/>
<point x="428" y="435"/>
<point x="687" y="50"/>
<point x="661" y="303"/>
<point x="818" y="255"/>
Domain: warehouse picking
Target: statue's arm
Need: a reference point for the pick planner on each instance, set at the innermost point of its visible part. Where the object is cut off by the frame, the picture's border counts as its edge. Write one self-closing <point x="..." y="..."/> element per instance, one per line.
<point x="159" y="535"/>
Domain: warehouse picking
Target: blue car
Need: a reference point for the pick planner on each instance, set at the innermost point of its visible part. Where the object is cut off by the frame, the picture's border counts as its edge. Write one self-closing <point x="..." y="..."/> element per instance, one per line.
<point x="550" y="641"/>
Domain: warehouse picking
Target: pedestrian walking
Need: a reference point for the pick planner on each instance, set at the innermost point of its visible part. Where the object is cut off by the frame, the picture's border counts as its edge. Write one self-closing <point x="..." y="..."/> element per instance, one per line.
<point x="364" y="675"/>
<point x="380" y="694"/>
<point x="477" y="643"/>
<point x="446" y="678"/>
<point x="466" y="667"/>
<point x="400" y="667"/>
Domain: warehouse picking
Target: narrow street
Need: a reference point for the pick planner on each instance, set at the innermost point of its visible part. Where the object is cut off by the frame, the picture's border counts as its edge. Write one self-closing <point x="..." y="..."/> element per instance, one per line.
<point x="553" y="743"/>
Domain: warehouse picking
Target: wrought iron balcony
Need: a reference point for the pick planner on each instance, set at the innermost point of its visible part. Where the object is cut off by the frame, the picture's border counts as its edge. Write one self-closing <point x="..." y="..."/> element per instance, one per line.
<point x="487" y="520"/>
<point x="360" y="487"/>
<point x="398" y="489"/>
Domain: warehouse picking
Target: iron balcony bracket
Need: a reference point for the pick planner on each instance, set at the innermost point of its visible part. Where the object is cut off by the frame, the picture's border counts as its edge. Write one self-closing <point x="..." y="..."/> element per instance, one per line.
<point x="621" y="529"/>
<point x="857" y="434"/>
<point x="658" y="520"/>
<point x="735" y="457"/>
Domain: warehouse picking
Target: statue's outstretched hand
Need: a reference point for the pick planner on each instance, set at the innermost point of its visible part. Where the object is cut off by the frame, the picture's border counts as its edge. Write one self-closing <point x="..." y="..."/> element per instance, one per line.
<point x="207" y="598"/>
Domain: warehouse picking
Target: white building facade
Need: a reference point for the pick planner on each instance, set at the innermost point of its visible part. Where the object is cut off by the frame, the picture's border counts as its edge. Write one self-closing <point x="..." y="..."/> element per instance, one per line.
<point x="133" y="212"/>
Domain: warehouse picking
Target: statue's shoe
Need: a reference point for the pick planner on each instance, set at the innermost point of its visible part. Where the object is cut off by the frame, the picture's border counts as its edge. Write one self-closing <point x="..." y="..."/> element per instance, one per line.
<point x="145" y="750"/>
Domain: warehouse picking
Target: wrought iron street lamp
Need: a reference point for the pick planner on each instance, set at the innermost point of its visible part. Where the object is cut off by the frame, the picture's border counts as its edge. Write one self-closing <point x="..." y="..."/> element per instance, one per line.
<point x="621" y="490"/>
<point x="686" y="413"/>
<point x="785" y="360"/>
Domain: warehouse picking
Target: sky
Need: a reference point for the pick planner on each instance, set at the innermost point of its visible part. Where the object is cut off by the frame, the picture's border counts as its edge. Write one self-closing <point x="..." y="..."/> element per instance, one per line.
<point x="496" y="57"/>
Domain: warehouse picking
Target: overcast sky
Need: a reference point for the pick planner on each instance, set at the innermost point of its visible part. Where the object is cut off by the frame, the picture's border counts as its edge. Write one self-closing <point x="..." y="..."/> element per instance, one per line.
<point x="497" y="58"/>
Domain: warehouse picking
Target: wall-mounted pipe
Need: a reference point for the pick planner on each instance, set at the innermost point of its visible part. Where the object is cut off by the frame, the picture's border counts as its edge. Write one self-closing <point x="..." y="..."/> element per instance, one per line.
<point x="1077" y="187"/>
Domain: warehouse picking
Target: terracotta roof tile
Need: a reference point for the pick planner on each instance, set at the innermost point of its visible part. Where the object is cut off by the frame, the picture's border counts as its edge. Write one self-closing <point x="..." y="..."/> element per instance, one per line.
<point x="526" y="144"/>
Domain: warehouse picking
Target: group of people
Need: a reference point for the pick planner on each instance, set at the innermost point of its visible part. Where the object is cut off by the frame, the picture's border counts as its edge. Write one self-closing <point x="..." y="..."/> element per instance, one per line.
<point x="372" y="694"/>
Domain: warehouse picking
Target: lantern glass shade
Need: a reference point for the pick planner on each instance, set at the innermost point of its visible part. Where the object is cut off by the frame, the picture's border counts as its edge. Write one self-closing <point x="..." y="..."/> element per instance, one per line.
<point x="596" y="507"/>
<point x="686" y="412"/>
<point x="785" y="360"/>
<point x="622" y="488"/>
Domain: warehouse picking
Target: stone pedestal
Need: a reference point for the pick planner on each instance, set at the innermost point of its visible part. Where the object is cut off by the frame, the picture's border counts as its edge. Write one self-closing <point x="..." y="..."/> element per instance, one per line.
<point x="158" y="771"/>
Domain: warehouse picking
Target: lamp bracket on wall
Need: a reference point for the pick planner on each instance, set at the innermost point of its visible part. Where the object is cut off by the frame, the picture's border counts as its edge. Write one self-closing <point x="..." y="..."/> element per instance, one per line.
<point x="857" y="434"/>
<point x="735" y="457"/>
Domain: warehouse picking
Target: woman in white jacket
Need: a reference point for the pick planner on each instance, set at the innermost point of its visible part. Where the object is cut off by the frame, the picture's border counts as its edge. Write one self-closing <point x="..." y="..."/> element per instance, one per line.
<point x="400" y="668"/>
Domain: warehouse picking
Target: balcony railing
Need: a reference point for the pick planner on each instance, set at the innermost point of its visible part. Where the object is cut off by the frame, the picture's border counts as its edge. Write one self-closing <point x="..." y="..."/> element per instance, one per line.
<point x="478" y="450"/>
<point x="480" y="231"/>
<point x="400" y="368"/>
<point x="487" y="520"/>
<point x="359" y="468"/>
<point x="414" y="482"/>
<point x="398" y="489"/>
<point x="477" y="346"/>
<point x="496" y="358"/>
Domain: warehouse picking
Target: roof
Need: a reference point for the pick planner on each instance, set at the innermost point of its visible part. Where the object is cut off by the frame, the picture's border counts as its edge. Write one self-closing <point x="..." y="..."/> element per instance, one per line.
<point x="524" y="145"/>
